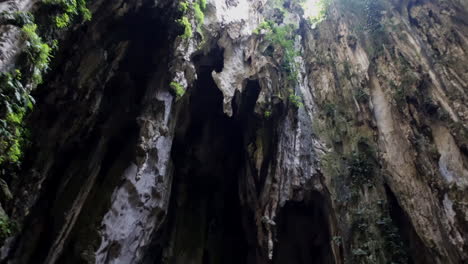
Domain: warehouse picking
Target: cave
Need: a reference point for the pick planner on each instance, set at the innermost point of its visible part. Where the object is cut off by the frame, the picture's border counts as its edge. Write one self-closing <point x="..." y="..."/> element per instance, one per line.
<point x="417" y="252"/>
<point x="115" y="147"/>
<point x="303" y="235"/>
<point x="207" y="223"/>
<point x="205" y="214"/>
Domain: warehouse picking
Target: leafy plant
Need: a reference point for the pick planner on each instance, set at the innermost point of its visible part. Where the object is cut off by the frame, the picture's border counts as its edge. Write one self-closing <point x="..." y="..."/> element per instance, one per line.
<point x="62" y="20"/>
<point x="5" y="227"/>
<point x="39" y="53"/>
<point x="13" y="107"/>
<point x="183" y="6"/>
<point x="202" y="4"/>
<point x="185" y="23"/>
<point x="177" y="89"/>
<point x="265" y="25"/>
<point x="295" y="99"/>
<point x="199" y="15"/>
<point x="393" y="242"/>
<point x="69" y="10"/>
<point x="199" y="9"/>
<point x="361" y="163"/>
<point x="282" y="37"/>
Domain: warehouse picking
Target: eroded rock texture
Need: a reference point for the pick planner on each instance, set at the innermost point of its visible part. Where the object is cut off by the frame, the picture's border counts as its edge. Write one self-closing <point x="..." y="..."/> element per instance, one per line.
<point x="260" y="137"/>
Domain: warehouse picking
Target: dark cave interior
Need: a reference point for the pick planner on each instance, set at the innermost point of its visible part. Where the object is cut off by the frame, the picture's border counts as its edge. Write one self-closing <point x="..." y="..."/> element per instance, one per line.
<point x="206" y="222"/>
<point x="303" y="233"/>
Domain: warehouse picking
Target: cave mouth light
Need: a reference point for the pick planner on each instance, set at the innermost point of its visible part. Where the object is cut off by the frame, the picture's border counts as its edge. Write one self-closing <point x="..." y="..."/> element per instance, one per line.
<point x="315" y="10"/>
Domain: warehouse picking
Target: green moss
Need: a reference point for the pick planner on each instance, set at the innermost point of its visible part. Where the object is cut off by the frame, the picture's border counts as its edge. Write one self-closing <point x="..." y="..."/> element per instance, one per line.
<point x="199" y="15"/>
<point x="183" y="6"/>
<point x="202" y="4"/>
<point x="267" y="114"/>
<point x="198" y="9"/>
<point x="177" y="90"/>
<point x="185" y="23"/>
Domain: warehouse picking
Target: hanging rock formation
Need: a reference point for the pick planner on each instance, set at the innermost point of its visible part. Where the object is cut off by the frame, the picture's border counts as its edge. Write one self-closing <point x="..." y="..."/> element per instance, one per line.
<point x="234" y="131"/>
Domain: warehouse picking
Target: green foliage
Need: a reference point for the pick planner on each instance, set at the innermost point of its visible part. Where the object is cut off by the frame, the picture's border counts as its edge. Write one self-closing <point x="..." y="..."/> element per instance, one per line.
<point x="13" y="107"/>
<point x="265" y="25"/>
<point x="406" y="88"/>
<point x="374" y="236"/>
<point x="12" y="140"/>
<point x="295" y="99"/>
<point x="347" y="69"/>
<point x="84" y="11"/>
<point x="329" y="110"/>
<point x="39" y="53"/>
<point x="199" y="15"/>
<point x="361" y="163"/>
<point x="399" y="95"/>
<point x="69" y="10"/>
<point x="177" y="90"/>
<point x="282" y="37"/>
<point x="62" y="20"/>
<point x="393" y="242"/>
<point x="198" y="8"/>
<point x="183" y="6"/>
<point x="5" y="227"/>
<point x="267" y="114"/>
<point x="202" y="4"/>
<point x="185" y="23"/>
<point x="361" y="169"/>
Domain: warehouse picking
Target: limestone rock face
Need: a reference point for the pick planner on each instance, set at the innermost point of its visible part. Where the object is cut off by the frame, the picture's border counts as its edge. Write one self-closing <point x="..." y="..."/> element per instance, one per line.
<point x="242" y="131"/>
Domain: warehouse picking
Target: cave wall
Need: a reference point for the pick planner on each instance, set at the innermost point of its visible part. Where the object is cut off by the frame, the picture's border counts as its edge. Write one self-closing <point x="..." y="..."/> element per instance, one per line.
<point x="338" y="141"/>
